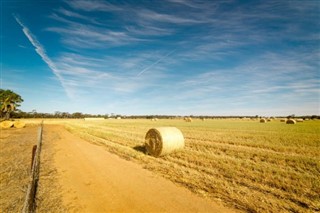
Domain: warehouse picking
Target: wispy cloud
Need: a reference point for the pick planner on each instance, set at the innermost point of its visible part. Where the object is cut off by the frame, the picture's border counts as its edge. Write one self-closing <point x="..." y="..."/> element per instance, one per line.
<point x="74" y="16"/>
<point x="80" y="35"/>
<point x="223" y="54"/>
<point x="72" y="72"/>
<point x="95" y="5"/>
<point x="41" y="52"/>
<point x="161" y="17"/>
<point x="85" y="36"/>
<point x="188" y="3"/>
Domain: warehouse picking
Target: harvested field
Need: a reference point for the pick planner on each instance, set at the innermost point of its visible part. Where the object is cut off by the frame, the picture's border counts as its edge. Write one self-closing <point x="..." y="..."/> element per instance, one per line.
<point x="255" y="168"/>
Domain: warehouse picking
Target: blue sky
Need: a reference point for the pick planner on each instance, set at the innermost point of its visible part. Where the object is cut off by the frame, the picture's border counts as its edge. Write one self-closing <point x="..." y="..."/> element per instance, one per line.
<point x="177" y="57"/>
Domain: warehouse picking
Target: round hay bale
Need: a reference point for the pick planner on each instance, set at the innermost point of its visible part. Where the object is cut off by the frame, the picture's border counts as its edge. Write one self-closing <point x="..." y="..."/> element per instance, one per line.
<point x="6" y="124"/>
<point x="283" y="120"/>
<point x="262" y="120"/>
<point x="299" y="120"/>
<point x="19" y="124"/>
<point x="163" y="140"/>
<point x="291" y="121"/>
<point x="188" y="119"/>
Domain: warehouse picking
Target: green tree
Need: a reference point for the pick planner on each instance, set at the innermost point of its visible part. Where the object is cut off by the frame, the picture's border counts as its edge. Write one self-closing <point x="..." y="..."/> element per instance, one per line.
<point x="9" y="101"/>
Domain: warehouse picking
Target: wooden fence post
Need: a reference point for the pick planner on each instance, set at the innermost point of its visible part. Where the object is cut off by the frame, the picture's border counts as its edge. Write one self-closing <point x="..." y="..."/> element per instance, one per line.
<point x="29" y="203"/>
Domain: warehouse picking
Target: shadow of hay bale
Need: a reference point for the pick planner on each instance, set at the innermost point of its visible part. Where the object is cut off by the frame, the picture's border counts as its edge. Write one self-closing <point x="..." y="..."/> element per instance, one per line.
<point x="140" y="148"/>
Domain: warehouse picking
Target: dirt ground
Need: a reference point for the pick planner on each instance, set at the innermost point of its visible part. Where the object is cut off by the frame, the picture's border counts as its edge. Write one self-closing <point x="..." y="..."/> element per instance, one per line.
<point x="77" y="176"/>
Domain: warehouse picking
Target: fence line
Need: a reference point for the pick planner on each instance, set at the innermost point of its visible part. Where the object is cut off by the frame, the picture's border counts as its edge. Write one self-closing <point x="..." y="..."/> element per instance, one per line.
<point x="29" y="203"/>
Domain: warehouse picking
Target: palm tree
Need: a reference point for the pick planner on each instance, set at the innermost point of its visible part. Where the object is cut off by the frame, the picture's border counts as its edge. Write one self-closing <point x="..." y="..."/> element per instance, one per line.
<point x="9" y="101"/>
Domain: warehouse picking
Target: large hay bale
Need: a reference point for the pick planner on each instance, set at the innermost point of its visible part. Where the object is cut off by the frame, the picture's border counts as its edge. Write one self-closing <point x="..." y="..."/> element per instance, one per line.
<point x="6" y="124"/>
<point x="163" y="140"/>
<point x="19" y="124"/>
<point x="262" y="120"/>
<point x="291" y="121"/>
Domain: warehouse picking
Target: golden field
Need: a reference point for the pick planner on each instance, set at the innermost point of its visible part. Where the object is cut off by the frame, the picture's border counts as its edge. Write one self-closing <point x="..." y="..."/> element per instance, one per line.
<point x="252" y="166"/>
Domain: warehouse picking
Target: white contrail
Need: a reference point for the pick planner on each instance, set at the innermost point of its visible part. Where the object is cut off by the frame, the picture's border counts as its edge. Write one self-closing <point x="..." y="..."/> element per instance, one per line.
<point x="165" y="56"/>
<point x="42" y="53"/>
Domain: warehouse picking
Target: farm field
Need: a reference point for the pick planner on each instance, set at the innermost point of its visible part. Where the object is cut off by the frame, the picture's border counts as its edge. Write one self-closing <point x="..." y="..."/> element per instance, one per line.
<point x="251" y="166"/>
<point x="241" y="164"/>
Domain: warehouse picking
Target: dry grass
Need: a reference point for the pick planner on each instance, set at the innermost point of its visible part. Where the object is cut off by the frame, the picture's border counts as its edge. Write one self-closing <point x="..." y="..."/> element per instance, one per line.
<point x="15" y="159"/>
<point x="256" y="168"/>
<point x="93" y="119"/>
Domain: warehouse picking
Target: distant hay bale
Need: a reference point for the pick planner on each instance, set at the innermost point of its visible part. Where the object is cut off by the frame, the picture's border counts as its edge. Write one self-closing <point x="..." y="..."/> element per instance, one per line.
<point x="262" y="120"/>
<point x="163" y="140"/>
<point x="188" y="119"/>
<point x="19" y="124"/>
<point x="6" y="124"/>
<point x="299" y="120"/>
<point x="283" y="120"/>
<point x="291" y="121"/>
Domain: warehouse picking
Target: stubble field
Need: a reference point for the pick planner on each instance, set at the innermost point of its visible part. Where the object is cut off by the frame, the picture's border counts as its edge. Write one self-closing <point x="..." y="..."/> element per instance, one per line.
<point x="252" y="166"/>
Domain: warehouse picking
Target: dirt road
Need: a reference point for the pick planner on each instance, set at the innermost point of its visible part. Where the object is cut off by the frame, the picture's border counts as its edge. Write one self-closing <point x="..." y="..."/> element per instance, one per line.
<point x="95" y="180"/>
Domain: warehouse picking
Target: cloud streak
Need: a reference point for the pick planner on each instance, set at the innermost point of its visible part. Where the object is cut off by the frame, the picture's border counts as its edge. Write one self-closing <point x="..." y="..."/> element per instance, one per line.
<point x="156" y="62"/>
<point x="86" y="5"/>
<point x="42" y="53"/>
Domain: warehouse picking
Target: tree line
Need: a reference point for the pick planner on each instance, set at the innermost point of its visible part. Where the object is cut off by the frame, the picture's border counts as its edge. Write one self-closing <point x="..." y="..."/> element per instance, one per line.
<point x="10" y="101"/>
